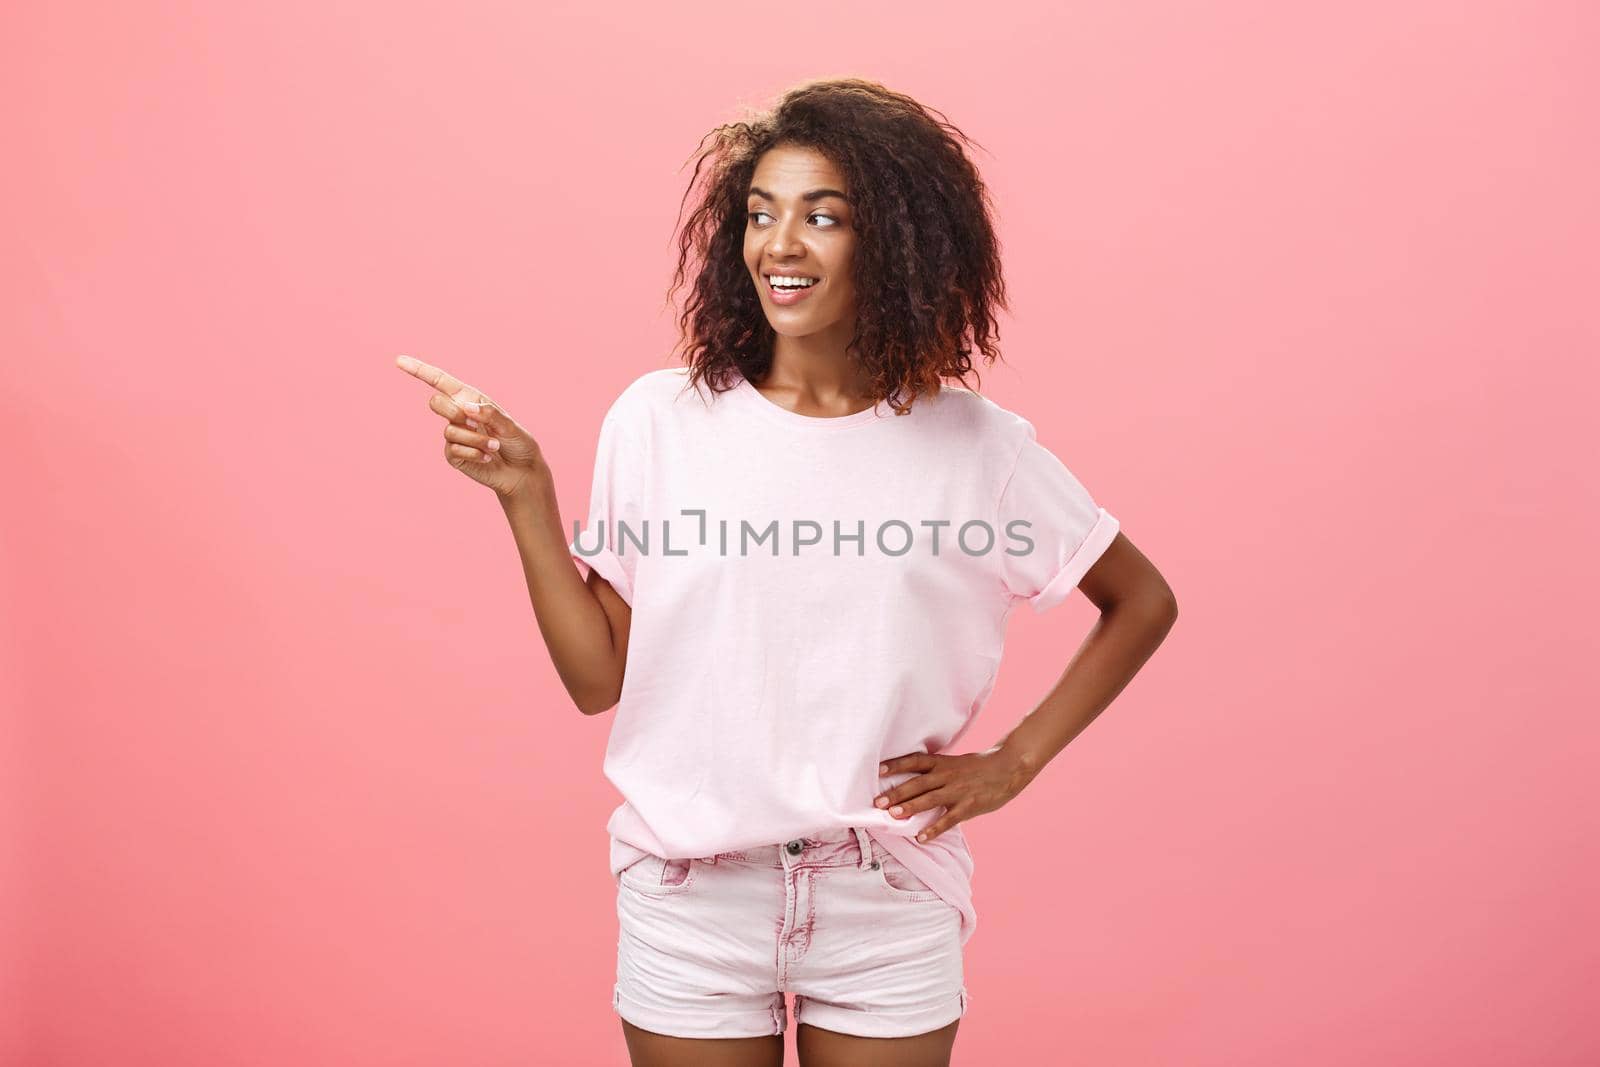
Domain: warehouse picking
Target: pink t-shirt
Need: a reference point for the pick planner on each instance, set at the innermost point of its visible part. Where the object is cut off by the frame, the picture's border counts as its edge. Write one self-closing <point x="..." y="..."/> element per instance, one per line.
<point x="810" y="597"/>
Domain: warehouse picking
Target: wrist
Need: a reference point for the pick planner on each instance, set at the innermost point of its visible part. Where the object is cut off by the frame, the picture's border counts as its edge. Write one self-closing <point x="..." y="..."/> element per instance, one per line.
<point x="1023" y="763"/>
<point x="534" y="492"/>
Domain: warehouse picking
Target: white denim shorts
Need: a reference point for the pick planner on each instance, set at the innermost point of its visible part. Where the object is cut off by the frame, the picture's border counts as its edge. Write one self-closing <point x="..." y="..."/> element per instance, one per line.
<point x="708" y="947"/>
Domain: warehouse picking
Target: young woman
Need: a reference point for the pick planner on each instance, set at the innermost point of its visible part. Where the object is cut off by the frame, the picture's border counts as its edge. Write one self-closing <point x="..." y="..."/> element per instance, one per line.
<point x="802" y="550"/>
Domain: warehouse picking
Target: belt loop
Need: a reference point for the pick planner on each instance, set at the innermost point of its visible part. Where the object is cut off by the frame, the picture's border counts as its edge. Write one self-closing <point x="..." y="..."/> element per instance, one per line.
<point x="866" y="847"/>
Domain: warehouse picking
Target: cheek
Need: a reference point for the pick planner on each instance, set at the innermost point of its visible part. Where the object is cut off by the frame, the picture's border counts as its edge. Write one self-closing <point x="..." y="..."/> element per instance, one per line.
<point x="844" y="290"/>
<point x="843" y="271"/>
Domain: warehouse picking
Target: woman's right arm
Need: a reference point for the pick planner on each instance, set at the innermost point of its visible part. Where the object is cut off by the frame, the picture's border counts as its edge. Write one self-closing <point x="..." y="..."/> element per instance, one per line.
<point x="585" y="625"/>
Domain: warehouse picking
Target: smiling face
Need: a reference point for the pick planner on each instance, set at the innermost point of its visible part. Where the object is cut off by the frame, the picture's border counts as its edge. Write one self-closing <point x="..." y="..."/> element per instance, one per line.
<point x="798" y="226"/>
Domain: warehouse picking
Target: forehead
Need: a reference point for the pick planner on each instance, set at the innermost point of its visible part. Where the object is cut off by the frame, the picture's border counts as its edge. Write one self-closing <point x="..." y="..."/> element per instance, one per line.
<point x="793" y="169"/>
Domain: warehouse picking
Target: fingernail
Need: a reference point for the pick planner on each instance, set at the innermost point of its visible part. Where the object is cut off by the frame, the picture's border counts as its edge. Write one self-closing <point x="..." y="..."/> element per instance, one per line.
<point x="922" y="836"/>
<point x="494" y="444"/>
<point x="883" y="768"/>
<point x="896" y="810"/>
<point x="470" y="406"/>
<point x="880" y="802"/>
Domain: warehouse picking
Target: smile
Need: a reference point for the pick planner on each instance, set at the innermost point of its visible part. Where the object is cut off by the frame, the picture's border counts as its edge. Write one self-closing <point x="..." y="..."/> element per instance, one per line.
<point x="785" y="290"/>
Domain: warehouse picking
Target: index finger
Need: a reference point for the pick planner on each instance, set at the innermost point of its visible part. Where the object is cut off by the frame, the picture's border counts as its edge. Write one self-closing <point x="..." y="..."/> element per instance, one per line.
<point x="911" y="761"/>
<point x="439" y="379"/>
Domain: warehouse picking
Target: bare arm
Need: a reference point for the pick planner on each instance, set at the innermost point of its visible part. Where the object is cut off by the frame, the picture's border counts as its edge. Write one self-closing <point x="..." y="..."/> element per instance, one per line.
<point x="1137" y="610"/>
<point x="585" y="626"/>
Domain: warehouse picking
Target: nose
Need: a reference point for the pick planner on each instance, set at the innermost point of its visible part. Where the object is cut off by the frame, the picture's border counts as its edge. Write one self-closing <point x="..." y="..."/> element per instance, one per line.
<point x="785" y="237"/>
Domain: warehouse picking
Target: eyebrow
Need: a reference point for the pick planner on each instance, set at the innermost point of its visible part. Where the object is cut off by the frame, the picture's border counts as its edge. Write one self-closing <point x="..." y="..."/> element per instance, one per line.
<point x="815" y="194"/>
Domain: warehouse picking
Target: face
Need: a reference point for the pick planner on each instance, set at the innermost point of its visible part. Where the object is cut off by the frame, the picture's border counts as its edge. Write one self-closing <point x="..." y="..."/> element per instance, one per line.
<point x="799" y="223"/>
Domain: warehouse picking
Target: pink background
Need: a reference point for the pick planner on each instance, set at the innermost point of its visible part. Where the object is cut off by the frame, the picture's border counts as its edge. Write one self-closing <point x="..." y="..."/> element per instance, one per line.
<point x="1306" y="296"/>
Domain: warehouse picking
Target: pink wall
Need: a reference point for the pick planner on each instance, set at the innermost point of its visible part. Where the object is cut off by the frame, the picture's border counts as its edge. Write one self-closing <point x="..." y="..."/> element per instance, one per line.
<point x="1308" y="297"/>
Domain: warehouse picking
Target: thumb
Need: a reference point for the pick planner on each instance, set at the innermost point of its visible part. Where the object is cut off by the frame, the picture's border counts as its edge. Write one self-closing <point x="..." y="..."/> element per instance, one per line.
<point x="485" y="411"/>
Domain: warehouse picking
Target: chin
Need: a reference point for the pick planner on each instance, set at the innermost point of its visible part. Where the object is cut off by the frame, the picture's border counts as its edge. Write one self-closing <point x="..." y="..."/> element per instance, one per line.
<point x="790" y="330"/>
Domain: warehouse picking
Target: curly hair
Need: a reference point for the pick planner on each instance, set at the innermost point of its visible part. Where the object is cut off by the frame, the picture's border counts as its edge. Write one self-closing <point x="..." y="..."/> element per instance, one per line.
<point x="927" y="261"/>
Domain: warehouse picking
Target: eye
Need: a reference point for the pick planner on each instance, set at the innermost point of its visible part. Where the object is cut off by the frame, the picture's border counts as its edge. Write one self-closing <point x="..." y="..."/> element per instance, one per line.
<point x="832" y="222"/>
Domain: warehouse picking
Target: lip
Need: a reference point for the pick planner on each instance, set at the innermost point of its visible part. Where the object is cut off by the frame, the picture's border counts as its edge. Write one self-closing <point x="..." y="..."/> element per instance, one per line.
<point x="786" y="299"/>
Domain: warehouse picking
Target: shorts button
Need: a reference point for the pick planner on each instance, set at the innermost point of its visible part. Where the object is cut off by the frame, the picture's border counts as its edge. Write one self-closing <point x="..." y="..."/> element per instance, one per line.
<point x="795" y="846"/>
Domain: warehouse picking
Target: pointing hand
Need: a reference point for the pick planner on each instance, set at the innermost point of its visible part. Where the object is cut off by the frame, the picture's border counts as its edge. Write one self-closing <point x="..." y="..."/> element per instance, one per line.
<point x="481" y="440"/>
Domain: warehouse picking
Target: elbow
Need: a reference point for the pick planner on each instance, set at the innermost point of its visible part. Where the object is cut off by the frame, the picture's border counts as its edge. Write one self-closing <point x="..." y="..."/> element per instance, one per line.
<point x="595" y="701"/>
<point x="1155" y="597"/>
<point x="1154" y="602"/>
<point x="1164" y="611"/>
<point x="596" y="686"/>
<point x="1162" y="604"/>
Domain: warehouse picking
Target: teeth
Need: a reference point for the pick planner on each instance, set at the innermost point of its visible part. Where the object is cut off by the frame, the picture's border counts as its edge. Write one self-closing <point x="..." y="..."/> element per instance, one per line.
<point x="780" y="282"/>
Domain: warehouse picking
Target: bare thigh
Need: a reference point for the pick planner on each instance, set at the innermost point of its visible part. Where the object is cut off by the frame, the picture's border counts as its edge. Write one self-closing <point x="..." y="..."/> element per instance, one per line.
<point x="825" y="1048"/>
<point x="649" y="1049"/>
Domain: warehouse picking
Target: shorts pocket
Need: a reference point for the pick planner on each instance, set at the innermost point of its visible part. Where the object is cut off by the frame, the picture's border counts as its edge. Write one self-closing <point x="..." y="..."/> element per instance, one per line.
<point x="898" y="881"/>
<point x="656" y="876"/>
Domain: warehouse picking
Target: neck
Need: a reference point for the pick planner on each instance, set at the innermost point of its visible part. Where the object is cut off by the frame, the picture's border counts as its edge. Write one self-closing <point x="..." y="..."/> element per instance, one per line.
<point x="816" y="370"/>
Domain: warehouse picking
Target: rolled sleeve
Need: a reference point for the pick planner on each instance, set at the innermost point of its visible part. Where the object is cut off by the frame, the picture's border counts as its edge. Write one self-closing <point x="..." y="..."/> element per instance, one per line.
<point x="1052" y="529"/>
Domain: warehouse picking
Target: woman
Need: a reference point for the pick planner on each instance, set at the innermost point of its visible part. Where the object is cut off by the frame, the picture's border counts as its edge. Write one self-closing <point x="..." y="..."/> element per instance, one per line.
<point x="802" y="551"/>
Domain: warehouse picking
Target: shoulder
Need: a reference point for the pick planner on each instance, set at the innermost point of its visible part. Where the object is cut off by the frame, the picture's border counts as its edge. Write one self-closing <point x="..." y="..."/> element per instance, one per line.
<point x="651" y="395"/>
<point x="650" y="388"/>
<point x="973" y="414"/>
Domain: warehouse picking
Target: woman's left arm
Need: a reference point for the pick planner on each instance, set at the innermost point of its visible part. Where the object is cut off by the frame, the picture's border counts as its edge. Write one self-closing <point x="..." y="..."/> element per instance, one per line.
<point x="1137" y="610"/>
